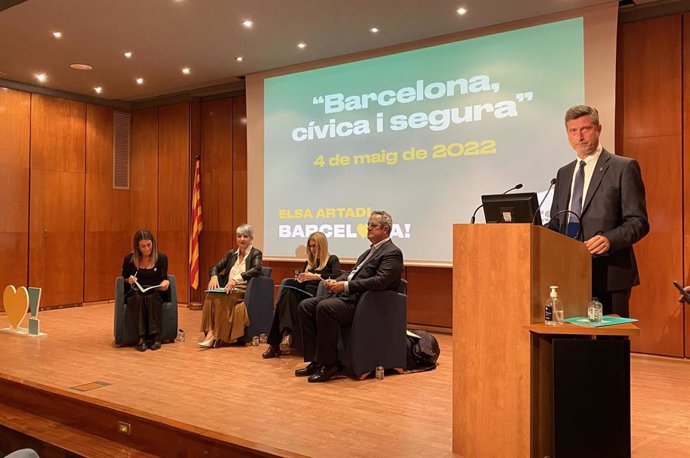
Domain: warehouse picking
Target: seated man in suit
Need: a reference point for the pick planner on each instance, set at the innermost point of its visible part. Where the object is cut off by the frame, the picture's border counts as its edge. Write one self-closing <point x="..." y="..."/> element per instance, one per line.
<point x="377" y="269"/>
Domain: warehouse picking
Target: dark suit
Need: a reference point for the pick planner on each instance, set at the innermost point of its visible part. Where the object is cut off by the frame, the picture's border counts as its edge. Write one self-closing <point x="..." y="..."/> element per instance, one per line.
<point x="252" y="264"/>
<point x="614" y="207"/>
<point x="321" y="317"/>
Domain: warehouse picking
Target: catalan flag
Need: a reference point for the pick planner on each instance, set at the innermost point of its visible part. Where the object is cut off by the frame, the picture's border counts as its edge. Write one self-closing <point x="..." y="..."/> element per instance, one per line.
<point x="197" y="224"/>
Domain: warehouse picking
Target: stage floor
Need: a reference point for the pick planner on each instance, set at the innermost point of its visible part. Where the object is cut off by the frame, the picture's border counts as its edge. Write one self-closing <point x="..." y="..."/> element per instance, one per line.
<point x="232" y="392"/>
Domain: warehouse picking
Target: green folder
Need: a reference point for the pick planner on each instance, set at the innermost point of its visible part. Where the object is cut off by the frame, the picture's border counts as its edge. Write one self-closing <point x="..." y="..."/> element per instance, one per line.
<point x="606" y="321"/>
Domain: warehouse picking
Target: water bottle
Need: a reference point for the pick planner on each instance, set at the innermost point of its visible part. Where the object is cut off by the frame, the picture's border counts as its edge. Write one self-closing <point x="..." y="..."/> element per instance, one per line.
<point x="379" y="372"/>
<point x="180" y="335"/>
<point x="595" y="311"/>
<point x="553" y="309"/>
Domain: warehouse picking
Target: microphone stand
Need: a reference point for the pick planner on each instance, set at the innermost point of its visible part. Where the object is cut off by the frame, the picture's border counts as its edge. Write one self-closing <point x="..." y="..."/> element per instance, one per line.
<point x="534" y="217"/>
<point x="580" y="235"/>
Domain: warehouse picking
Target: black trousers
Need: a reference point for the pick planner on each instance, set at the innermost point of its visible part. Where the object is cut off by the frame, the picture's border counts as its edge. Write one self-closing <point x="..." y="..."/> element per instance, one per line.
<point x="617" y="302"/>
<point x="285" y="316"/>
<point x="321" y="318"/>
<point x="144" y="314"/>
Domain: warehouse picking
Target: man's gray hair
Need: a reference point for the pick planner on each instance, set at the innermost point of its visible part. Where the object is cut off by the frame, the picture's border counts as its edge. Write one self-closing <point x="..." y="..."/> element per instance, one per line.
<point x="386" y="219"/>
<point x="245" y="229"/>
<point x="579" y="111"/>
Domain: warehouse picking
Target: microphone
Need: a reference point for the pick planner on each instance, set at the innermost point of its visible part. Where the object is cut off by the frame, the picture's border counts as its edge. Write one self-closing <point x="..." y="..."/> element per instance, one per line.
<point x="474" y="215"/>
<point x="579" y="222"/>
<point x="553" y="182"/>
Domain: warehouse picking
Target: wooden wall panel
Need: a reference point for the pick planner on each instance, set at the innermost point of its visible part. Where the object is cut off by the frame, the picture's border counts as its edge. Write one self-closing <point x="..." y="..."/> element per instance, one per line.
<point x="107" y="233"/>
<point x="56" y="218"/>
<point x="651" y="79"/>
<point x="217" y="236"/>
<point x="650" y="96"/>
<point x="429" y="291"/>
<point x="174" y="191"/>
<point x="686" y="173"/>
<point x="15" y="116"/>
<point x="239" y="161"/>
<point x="659" y="255"/>
<point x="57" y="134"/>
<point x="56" y="261"/>
<point x="143" y="172"/>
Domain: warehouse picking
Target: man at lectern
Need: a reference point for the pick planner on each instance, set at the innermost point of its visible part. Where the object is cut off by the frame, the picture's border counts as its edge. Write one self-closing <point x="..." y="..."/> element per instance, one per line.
<point x="600" y="199"/>
<point x="377" y="269"/>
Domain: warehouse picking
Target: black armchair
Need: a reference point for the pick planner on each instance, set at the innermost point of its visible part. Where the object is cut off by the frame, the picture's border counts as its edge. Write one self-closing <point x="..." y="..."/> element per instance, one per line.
<point x="259" y="301"/>
<point x="124" y="336"/>
<point x="377" y="335"/>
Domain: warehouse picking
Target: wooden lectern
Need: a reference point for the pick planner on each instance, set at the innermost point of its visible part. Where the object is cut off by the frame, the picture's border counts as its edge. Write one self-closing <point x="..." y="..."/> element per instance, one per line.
<point x="501" y="278"/>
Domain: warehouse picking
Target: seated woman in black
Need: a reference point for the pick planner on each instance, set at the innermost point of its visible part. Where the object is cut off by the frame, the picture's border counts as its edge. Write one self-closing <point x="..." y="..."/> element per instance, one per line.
<point x="142" y="268"/>
<point x="320" y="265"/>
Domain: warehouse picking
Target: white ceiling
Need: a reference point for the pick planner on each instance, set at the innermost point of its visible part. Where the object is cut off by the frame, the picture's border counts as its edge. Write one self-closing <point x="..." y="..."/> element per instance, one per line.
<point x="206" y="35"/>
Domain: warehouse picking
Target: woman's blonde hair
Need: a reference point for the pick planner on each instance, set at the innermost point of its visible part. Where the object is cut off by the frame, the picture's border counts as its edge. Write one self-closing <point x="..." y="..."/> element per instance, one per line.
<point x="321" y="251"/>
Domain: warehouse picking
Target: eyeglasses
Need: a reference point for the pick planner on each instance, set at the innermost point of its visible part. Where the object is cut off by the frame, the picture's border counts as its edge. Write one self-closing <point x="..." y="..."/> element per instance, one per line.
<point x="372" y="225"/>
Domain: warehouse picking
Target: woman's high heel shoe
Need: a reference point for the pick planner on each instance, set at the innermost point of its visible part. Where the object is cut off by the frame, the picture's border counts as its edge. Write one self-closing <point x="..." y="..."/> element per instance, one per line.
<point x="141" y="345"/>
<point x="286" y="343"/>
<point x="208" y="343"/>
<point x="271" y="352"/>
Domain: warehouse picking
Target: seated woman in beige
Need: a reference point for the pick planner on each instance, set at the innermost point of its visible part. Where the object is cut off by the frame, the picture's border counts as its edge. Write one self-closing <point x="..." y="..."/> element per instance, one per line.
<point x="224" y="315"/>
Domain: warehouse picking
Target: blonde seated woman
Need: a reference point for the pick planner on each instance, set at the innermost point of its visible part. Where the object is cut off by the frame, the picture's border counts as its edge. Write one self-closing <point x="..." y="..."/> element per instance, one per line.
<point x="224" y="316"/>
<point x="320" y="265"/>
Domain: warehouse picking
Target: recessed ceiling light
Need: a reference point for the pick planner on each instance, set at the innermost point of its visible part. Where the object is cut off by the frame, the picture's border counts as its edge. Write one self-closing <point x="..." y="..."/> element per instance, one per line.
<point x="461" y="11"/>
<point x="128" y="54"/>
<point x="186" y="70"/>
<point x="247" y="24"/>
<point x="98" y="89"/>
<point x="3" y="74"/>
<point x="374" y="30"/>
<point x="239" y="58"/>
<point x="57" y="34"/>
<point x="42" y="77"/>
<point x="301" y="45"/>
<point x="140" y="80"/>
<point x="81" y="66"/>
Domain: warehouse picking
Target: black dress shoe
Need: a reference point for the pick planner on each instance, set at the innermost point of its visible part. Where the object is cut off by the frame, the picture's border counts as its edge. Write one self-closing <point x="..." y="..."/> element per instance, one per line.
<point x="141" y="346"/>
<point x="324" y="374"/>
<point x="311" y="369"/>
<point x="156" y="345"/>
<point x="271" y="352"/>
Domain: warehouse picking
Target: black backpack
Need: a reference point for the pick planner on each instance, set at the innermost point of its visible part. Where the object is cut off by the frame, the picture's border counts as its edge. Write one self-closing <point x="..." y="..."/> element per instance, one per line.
<point x="422" y="351"/>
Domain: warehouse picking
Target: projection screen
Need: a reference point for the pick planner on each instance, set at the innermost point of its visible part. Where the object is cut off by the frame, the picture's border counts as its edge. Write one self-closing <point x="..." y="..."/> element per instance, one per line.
<point x="421" y="133"/>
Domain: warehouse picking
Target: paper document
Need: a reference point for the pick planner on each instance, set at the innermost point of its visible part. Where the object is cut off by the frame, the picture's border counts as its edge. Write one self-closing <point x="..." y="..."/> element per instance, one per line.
<point x="143" y="289"/>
